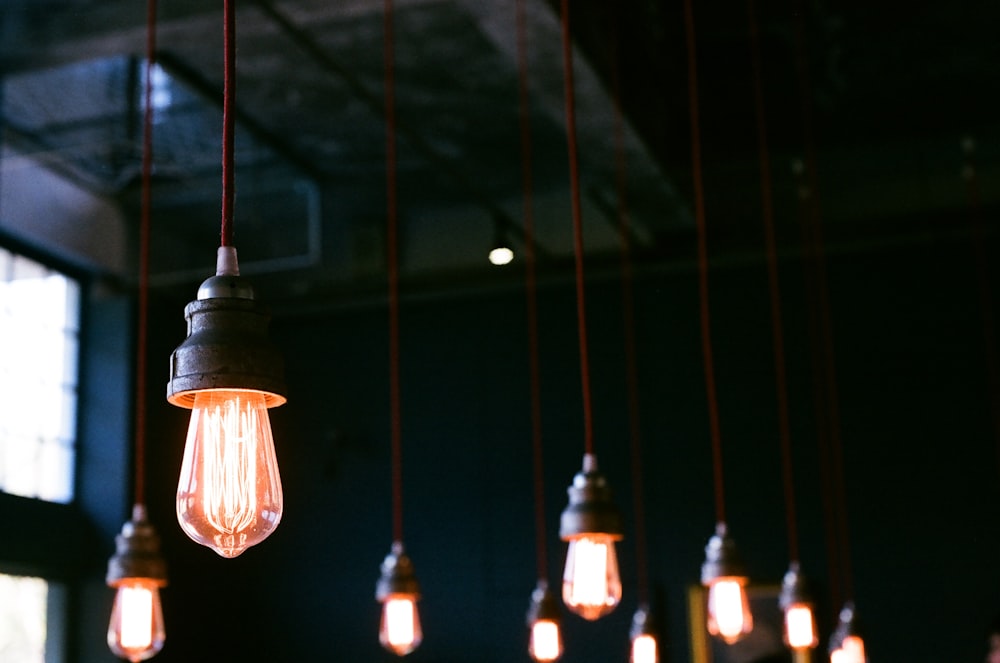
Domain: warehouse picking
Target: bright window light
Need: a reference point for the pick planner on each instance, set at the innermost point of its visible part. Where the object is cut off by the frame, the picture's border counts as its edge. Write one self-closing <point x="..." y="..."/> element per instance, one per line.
<point x="23" y="611"/>
<point x="39" y="345"/>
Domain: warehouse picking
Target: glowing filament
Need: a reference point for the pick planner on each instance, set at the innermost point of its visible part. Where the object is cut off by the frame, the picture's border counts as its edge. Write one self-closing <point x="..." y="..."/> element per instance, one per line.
<point x="852" y="650"/>
<point x="400" y="630"/>
<point x="800" y="627"/>
<point x="591" y="584"/>
<point x="728" y="609"/>
<point x="644" y="650"/>
<point x="546" y="643"/>
<point x="229" y="494"/>
<point x="136" y="630"/>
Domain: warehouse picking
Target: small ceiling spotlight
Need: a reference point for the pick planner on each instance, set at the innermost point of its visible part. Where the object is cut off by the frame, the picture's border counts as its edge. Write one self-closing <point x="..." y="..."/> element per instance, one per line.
<point x="501" y="253"/>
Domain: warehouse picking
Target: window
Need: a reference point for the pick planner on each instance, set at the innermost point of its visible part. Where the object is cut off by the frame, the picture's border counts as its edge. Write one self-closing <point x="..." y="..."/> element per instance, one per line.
<point x="25" y="607"/>
<point x="39" y="345"/>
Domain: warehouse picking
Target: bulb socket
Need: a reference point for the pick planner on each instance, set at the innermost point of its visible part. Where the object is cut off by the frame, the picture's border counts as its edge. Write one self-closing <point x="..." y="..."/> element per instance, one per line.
<point x="398" y="575"/>
<point x="847" y="626"/>
<point x="794" y="588"/>
<point x="642" y="623"/>
<point x="227" y="346"/>
<point x="137" y="552"/>
<point x="722" y="560"/>
<point x="590" y="509"/>
<point x="544" y="606"/>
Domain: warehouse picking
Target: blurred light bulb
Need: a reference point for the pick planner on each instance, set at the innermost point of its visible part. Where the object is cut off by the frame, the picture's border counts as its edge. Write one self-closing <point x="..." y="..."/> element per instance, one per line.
<point x="400" y="631"/>
<point x="397" y="590"/>
<point x="229" y="493"/>
<point x="851" y="650"/>
<point x="545" y="639"/>
<point x="729" y="614"/>
<point x="644" y="650"/>
<point x="846" y="644"/>
<point x="546" y="642"/>
<point x="136" y="629"/>
<point x="591" y="584"/>
<point x="643" y="636"/>
<point x="800" y="627"/>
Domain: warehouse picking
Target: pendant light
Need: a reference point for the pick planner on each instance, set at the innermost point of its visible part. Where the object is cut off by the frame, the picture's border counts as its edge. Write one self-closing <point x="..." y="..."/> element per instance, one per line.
<point x="545" y="636"/>
<point x="722" y="573"/>
<point x="799" y="630"/>
<point x="644" y="645"/>
<point x="137" y="571"/>
<point x="228" y="374"/>
<point x="846" y="643"/>
<point x="729" y="615"/>
<point x="398" y="592"/>
<point x="797" y="606"/>
<point x="591" y="523"/>
<point x="397" y="588"/>
<point x="543" y="618"/>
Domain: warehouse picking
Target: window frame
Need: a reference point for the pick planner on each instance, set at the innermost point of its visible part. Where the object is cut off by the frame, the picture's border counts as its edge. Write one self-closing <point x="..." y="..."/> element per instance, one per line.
<point x="69" y="544"/>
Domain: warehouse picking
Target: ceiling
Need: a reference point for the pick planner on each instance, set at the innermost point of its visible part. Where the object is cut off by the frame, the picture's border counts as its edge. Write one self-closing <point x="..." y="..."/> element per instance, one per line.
<point x="892" y="94"/>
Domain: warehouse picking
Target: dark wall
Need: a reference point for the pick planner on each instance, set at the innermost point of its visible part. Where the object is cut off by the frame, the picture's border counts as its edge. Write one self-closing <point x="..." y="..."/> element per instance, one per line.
<point x="920" y="457"/>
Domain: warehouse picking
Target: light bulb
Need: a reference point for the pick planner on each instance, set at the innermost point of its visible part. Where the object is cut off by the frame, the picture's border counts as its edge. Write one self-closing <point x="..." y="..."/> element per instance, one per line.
<point x="545" y="639"/>
<point x="229" y="493"/>
<point x="546" y="642"/>
<point x="729" y="614"/>
<point x="800" y="627"/>
<point x="851" y="650"/>
<point x="136" y="630"/>
<point x="400" y="631"/>
<point x="643" y="636"/>
<point x="644" y="650"/>
<point x="591" y="584"/>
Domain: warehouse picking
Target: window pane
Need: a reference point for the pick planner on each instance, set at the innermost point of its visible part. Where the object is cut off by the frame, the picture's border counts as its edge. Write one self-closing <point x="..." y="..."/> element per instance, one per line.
<point x="23" y="608"/>
<point x="39" y="346"/>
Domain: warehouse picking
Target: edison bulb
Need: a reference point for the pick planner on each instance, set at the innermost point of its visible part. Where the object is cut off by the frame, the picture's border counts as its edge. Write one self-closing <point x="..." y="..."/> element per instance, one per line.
<point x="591" y="584"/>
<point x="545" y="643"/>
<point x="729" y="609"/>
<point x="400" y="631"/>
<point x="136" y="630"/>
<point x="644" y="649"/>
<point x="851" y="650"/>
<point x="229" y="493"/>
<point x="800" y="627"/>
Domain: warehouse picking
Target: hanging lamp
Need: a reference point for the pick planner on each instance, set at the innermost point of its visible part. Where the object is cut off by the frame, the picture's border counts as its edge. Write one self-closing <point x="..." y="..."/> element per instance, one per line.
<point x="722" y="572"/>
<point x="644" y="645"/>
<point x="397" y="588"/>
<point x="398" y="591"/>
<point x="137" y="570"/>
<point x="591" y="523"/>
<point x="796" y="604"/>
<point x="228" y="374"/>
<point x="543" y="618"/>
<point x="846" y="643"/>
<point x="799" y="630"/>
<point x="545" y="633"/>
